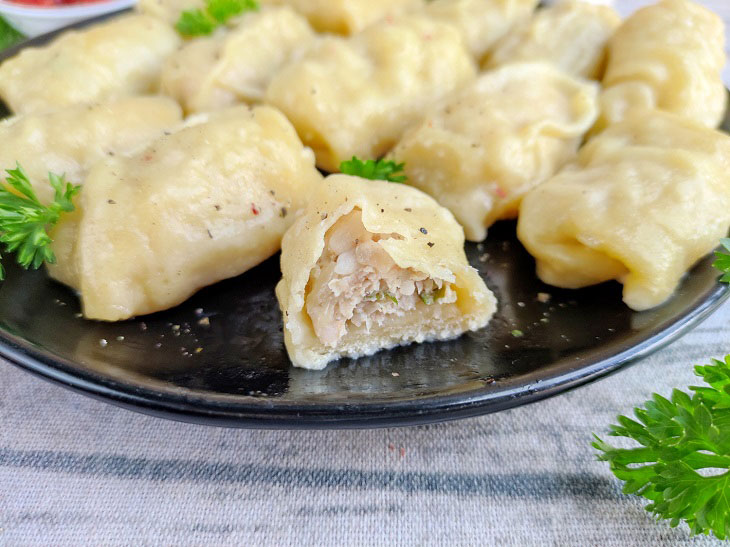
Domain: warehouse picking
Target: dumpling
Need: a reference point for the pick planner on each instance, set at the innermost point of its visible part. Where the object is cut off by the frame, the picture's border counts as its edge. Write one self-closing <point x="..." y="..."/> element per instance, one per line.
<point x="338" y="16"/>
<point x="168" y="10"/>
<point x="69" y="141"/>
<point x="481" y="22"/>
<point x="205" y="203"/>
<point x="485" y="146"/>
<point x="119" y="57"/>
<point x="372" y="265"/>
<point x="356" y="96"/>
<point x="667" y="56"/>
<point x="347" y="16"/>
<point x="572" y="35"/>
<point x="235" y="65"/>
<point x="644" y="201"/>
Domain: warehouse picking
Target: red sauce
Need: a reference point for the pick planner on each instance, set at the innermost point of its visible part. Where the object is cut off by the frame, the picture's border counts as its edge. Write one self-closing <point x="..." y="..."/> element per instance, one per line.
<point x="51" y="3"/>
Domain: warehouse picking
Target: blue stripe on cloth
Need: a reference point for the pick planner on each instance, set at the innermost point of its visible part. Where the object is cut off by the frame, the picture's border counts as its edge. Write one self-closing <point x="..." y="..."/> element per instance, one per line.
<point x="516" y="485"/>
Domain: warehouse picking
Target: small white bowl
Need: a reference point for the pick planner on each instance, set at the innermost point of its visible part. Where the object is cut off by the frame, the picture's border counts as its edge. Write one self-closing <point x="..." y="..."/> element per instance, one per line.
<point x="35" y="20"/>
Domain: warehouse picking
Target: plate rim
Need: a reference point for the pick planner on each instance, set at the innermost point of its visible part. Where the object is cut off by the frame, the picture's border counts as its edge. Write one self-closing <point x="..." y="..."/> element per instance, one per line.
<point x="270" y="413"/>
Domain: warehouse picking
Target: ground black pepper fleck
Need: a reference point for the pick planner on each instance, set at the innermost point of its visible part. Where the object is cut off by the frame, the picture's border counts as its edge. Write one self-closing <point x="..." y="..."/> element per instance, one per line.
<point x="423" y="230"/>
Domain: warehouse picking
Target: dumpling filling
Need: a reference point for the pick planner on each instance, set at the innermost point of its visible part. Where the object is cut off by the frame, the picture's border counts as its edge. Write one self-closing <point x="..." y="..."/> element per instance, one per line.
<point x="356" y="283"/>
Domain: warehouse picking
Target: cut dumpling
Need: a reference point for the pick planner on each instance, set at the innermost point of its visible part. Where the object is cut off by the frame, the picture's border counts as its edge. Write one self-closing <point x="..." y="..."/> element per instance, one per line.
<point x="643" y="202"/>
<point x="122" y="56"/>
<point x="572" y="35"/>
<point x="70" y="140"/>
<point x="481" y="22"/>
<point x="205" y="203"/>
<point x="372" y="265"/>
<point x="667" y="56"/>
<point x="481" y="150"/>
<point x="347" y="16"/>
<point x="355" y="97"/>
<point x="235" y="65"/>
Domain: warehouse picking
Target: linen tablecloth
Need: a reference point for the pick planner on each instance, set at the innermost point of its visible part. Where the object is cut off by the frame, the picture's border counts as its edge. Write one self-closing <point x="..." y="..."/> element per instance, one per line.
<point x="78" y="471"/>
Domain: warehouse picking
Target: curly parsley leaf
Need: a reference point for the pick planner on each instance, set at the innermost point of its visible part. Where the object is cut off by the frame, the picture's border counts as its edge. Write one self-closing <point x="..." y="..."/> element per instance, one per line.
<point x="24" y="220"/>
<point x="195" y="23"/>
<point x="374" y="169"/>
<point x="682" y="461"/>
<point x="222" y="10"/>
<point x="723" y="260"/>
<point x="201" y="22"/>
<point x="9" y="36"/>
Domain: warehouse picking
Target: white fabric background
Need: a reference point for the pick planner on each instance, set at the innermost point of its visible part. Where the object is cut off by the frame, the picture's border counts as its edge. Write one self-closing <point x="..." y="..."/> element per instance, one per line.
<point x="77" y="471"/>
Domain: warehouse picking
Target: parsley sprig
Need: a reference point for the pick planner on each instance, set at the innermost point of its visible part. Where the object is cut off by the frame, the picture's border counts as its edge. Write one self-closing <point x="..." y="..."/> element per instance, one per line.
<point x="682" y="461"/>
<point x="24" y="220"/>
<point x="678" y="438"/>
<point x="374" y="169"/>
<point x="201" y="22"/>
<point x="723" y="260"/>
<point x="9" y="36"/>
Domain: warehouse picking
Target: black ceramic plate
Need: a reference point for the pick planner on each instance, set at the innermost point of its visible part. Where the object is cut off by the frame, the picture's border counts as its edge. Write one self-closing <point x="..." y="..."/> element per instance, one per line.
<point x="220" y="359"/>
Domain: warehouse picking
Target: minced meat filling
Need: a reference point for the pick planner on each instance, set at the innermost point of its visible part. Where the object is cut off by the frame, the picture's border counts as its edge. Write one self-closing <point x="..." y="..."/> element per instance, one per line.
<point x="356" y="282"/>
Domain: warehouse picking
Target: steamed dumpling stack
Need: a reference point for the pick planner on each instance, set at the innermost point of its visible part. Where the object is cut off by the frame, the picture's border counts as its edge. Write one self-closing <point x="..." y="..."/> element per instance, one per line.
<point x="169" y="206"/>
<point x="649" y="195"/>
